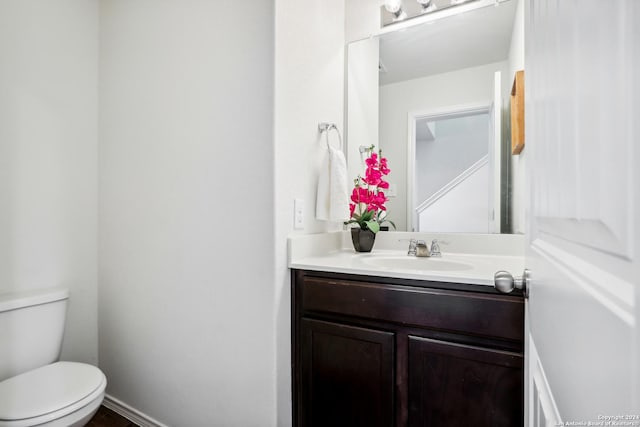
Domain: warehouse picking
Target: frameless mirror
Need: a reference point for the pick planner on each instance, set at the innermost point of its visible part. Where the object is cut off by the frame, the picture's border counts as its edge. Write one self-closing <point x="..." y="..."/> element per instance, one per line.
<point x="434" y="97"/>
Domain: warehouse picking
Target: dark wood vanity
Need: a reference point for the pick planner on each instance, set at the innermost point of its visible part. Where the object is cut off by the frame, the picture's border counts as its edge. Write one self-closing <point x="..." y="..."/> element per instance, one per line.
<point x="373" y="351"/>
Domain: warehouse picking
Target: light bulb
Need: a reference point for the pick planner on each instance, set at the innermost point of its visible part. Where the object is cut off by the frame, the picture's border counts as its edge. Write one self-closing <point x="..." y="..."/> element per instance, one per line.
<point x="393" y="6"/>
<point x="427" y="5"/>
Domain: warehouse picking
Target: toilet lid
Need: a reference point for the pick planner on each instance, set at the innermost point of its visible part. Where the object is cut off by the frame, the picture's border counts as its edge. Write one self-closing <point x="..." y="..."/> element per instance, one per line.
<point x="47" y="389"/>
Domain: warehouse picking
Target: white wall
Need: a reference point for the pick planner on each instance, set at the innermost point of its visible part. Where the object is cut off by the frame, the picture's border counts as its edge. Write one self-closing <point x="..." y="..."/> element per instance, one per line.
<point x="518" y="162"/>
<point x="187" y="331"/>
<point x="48" y="157"/>
<point x="362" y="102"/>
<point x="186" y="210"/>
<point x="362" y="19"/>
<point x="309" y="88"/>
<point x="459" y="143"/>
<point x="468" y="86"/>
<point x="464" y="209"/>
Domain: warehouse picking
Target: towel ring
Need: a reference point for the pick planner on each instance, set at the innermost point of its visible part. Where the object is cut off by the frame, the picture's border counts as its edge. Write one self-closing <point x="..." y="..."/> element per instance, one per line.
<point x="326" y="128"/>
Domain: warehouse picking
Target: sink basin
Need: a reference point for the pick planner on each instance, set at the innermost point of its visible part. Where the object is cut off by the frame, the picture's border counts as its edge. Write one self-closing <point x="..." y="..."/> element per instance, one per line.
<point x="416" y="263"/>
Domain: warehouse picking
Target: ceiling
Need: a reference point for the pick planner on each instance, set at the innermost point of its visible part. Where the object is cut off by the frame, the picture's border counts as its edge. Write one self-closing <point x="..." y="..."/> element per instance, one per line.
<point x="468" y="39"/>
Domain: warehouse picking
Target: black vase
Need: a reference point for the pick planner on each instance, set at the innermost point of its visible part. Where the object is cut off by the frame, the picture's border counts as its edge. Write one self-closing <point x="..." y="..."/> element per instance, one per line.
<point x="362" y="239"/>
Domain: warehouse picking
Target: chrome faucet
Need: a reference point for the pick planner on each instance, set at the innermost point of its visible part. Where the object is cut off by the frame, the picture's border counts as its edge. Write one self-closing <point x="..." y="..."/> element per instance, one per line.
<point x="422" y="250"/>
<point x="418" y="248"/>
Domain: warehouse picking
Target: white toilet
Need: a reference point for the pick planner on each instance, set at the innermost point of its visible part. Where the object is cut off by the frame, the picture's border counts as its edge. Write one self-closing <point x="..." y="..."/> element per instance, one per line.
<point x="35" y="390"/>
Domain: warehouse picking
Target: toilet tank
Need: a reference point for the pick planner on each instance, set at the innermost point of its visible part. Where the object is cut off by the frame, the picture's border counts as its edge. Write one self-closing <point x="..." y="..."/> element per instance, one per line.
<point x="31" y="329"/>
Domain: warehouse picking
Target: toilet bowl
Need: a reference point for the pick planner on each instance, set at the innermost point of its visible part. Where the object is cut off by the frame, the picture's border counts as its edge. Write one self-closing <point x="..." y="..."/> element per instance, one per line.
<point x="35" y="389"/>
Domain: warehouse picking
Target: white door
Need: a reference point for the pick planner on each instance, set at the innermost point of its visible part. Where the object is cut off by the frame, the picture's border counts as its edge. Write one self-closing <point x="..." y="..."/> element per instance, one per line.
<point x="582" y="147"/>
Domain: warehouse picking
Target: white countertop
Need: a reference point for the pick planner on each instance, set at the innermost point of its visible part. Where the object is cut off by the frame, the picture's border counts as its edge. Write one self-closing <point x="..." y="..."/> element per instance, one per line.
<point x="329" y="252"/>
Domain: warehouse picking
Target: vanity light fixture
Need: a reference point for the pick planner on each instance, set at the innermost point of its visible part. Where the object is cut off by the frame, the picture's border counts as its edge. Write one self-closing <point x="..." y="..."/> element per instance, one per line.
<point x="427" y="6"/>
<point x="395" y="7"/>
<point x="399" y="11"/>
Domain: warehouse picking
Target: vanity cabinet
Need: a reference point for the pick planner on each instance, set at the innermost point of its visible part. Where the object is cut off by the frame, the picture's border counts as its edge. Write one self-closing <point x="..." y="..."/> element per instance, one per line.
<point x="372" y="351"/>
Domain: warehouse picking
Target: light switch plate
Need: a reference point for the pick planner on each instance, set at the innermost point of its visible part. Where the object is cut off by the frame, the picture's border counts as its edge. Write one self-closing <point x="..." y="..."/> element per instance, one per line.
<point x="298" y="214"/>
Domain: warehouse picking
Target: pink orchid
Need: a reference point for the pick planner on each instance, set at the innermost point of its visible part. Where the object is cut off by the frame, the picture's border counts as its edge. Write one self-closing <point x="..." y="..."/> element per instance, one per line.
<point x="378" y="200"/>
<point x="383" y="166"/>
<point x="361" y="195"/>
<point x="372" y="161"/>
<point x="368" y="208"/>
<point x="372" y="176"/>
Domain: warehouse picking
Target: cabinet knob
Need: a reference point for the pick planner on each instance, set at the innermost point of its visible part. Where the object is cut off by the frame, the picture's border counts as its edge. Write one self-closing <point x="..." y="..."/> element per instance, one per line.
<point x="504" y="282"/>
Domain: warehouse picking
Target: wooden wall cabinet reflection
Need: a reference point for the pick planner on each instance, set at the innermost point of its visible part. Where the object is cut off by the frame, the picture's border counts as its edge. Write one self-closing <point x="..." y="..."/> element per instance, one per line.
<point x="517" y="113"/>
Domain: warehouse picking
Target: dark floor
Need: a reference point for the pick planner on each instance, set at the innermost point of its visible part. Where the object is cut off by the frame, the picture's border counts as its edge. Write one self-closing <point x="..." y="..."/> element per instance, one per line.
<point x="107" y="418"/>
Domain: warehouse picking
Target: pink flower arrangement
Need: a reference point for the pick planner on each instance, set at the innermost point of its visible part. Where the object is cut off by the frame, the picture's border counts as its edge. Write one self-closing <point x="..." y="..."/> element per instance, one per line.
<point x="367" y="207"/>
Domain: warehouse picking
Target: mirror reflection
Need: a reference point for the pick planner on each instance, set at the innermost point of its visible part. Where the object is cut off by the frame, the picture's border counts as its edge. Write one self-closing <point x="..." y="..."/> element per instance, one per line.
<point x="452" y="172"/>
<point x="434" y="97"/>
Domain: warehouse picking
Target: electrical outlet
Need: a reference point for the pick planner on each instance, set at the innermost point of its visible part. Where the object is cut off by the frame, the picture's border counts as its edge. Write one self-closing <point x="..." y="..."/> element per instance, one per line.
<point x="298" y="214"/>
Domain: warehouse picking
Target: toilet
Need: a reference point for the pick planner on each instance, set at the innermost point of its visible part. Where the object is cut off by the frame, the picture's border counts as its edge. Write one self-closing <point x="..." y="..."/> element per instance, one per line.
<point x="35" y="388"/>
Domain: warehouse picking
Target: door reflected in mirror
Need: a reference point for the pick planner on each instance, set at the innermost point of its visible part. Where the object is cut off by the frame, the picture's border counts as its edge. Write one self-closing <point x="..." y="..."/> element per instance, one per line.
<point x="433" y="98"/>
<point x="452" y="172"/>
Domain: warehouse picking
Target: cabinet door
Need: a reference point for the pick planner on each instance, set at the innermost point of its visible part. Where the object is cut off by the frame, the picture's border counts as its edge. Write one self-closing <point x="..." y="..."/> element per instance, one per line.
<point x="459" y="385"/>
<point x="347" y="376"/>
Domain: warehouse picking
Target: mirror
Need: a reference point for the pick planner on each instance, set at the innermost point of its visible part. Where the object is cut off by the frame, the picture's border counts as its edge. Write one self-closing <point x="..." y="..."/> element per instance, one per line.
<point x="434" y="97"/>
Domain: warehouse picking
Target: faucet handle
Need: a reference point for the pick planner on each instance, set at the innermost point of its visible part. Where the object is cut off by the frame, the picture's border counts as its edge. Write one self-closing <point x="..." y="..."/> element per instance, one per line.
<point x="435" y="248"/>
<point x="412" y="246"/>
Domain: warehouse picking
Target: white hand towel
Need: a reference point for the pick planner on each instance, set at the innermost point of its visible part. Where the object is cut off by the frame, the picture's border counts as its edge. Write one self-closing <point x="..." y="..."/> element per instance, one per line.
<point x="332" y="202"/>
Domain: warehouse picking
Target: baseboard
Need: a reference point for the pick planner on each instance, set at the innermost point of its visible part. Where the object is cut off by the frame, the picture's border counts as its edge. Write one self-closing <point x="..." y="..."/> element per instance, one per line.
<point x="133" y="415"/>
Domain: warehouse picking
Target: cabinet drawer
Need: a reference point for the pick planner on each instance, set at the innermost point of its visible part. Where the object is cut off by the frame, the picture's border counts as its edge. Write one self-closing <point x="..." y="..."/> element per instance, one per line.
<point x="457" y="311"/>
